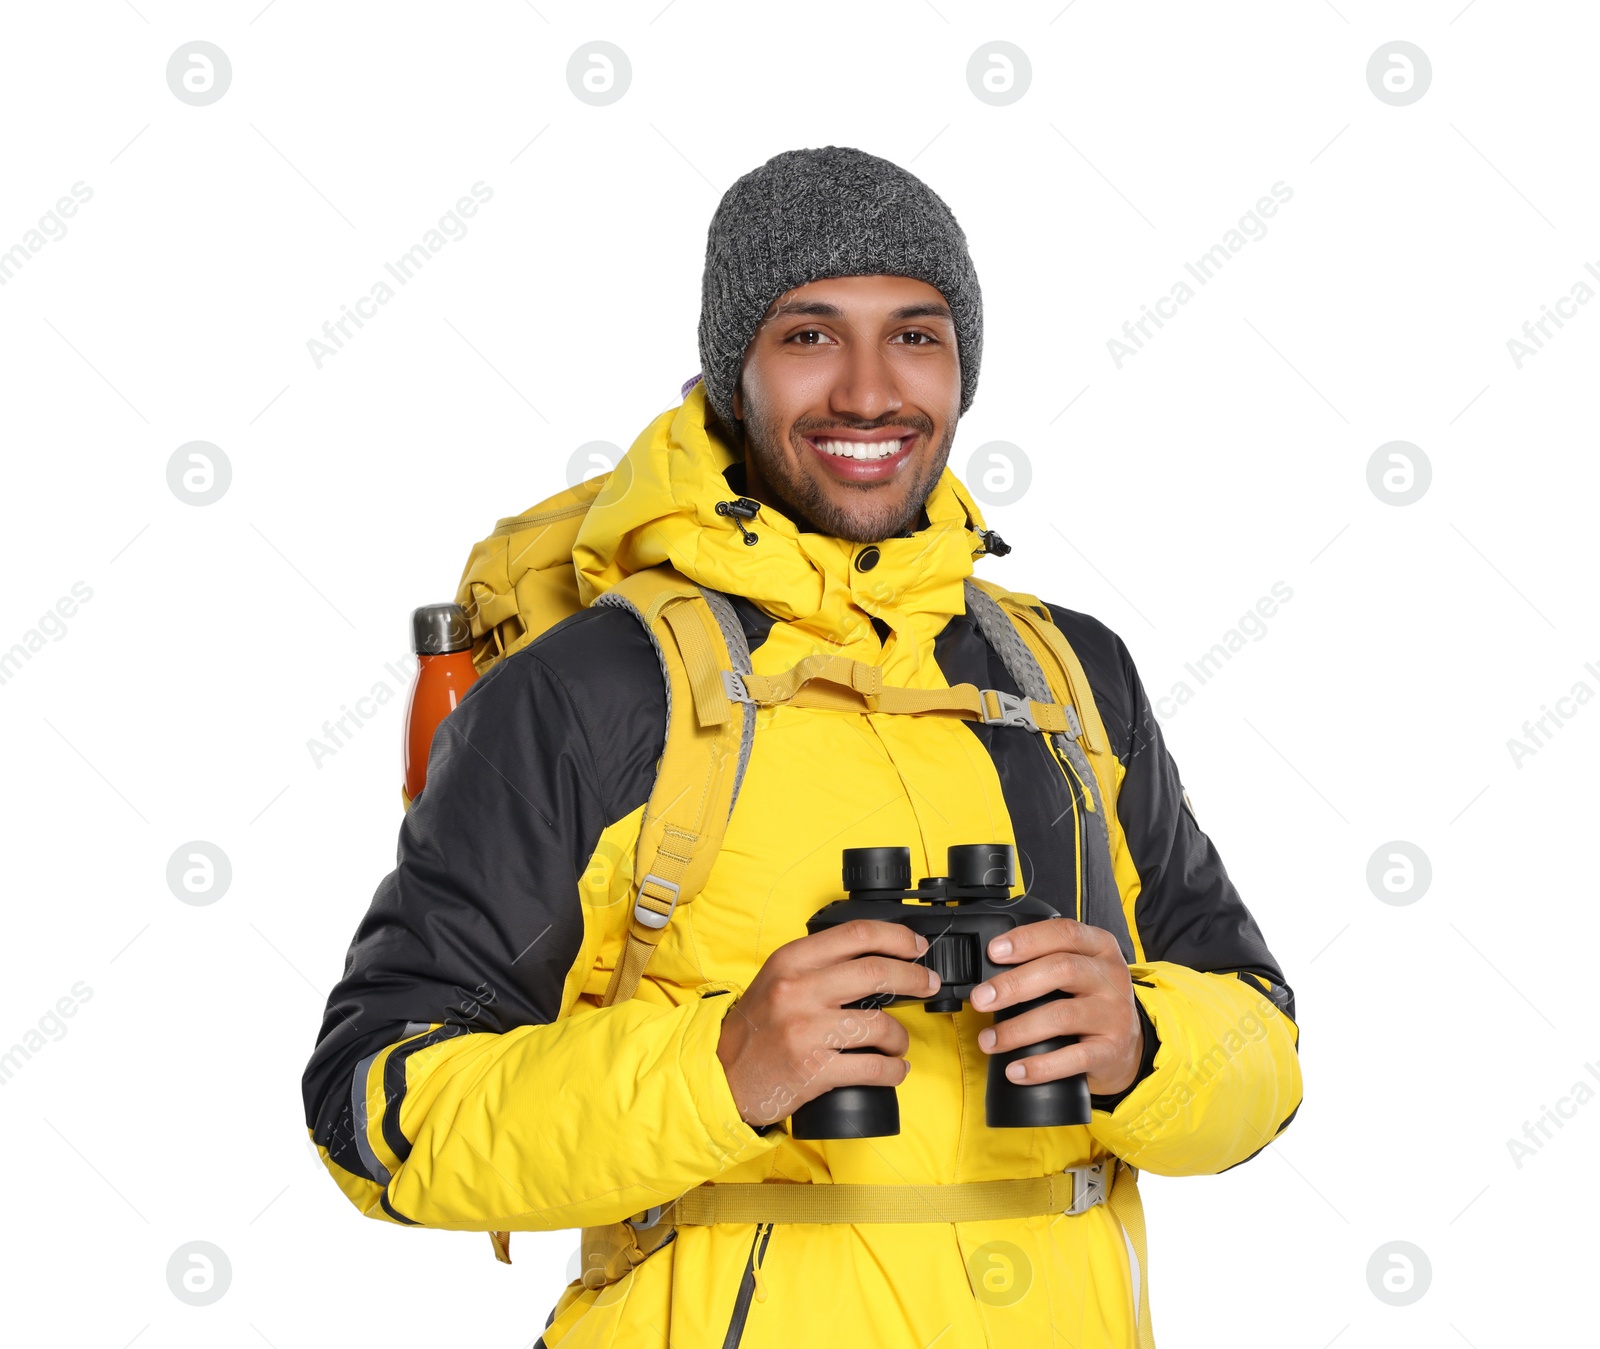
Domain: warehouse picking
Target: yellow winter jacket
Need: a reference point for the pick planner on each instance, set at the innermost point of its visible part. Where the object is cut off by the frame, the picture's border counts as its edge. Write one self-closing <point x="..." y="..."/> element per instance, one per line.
<point x="467" y="1077"/>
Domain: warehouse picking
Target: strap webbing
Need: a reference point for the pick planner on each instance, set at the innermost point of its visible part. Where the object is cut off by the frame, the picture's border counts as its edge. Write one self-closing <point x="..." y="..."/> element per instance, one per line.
<point x="1128" y="1207"/>
<point x="611" y="1252"/>
<point x="969" y="1201"/>
<point x="840" y="684"/>
<point x="682" y="828"/>
<point x="711" y="704"/>
<point x="681" y="831"/>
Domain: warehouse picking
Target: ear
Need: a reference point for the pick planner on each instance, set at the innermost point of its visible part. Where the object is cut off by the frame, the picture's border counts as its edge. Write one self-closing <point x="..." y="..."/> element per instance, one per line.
<point x="738" y="405"/>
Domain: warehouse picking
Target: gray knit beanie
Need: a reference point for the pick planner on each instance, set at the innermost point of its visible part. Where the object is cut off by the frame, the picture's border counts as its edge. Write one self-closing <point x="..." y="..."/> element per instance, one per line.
<point x="806" y="215"/>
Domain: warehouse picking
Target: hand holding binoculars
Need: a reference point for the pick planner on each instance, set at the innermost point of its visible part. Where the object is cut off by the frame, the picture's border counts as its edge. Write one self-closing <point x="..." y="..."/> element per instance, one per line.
<point x="964" y="911"/>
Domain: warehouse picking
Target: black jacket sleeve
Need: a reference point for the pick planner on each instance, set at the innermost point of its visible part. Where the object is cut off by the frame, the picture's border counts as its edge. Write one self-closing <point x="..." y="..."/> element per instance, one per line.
<point x="1188" y="911"/>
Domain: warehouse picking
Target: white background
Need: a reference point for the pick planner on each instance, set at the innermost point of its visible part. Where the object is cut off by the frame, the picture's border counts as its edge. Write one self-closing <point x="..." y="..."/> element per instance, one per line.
<point x="1167" y="498"/>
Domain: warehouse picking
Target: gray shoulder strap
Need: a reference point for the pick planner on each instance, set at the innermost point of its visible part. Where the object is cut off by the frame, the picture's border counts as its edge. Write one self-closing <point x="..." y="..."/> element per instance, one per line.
<point x="1001" y="633"/>
<point x="739" y="652"/>
<point x="1102" y="905"/>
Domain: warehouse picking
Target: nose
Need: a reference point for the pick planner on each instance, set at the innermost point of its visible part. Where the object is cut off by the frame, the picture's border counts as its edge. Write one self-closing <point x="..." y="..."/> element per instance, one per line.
<point x="866" y="388"/>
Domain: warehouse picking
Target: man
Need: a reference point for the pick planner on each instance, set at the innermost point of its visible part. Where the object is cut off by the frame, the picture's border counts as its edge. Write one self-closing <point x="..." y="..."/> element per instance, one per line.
<point x="468" y="1077"/>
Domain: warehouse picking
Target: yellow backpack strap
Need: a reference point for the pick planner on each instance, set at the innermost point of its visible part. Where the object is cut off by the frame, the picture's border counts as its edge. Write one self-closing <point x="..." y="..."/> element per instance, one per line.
<point x="1070" y="1192"/>
<point x="1128" y="1206"/>
<point x="697" y="637"/>
<point x="841" y="684"/>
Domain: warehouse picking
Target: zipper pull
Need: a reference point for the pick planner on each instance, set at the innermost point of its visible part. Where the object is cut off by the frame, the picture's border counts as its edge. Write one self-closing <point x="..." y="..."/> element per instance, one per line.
<point x="1083" y="787"/>
<point x="755" y="1268"/>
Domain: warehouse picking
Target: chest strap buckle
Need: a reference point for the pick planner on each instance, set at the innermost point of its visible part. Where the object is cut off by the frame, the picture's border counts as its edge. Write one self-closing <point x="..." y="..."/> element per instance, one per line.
<point x="1000" y="708"/>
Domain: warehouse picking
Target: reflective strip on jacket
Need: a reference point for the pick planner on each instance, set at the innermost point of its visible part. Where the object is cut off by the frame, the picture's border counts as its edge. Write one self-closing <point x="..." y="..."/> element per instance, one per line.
<point x="466" y="1077"/>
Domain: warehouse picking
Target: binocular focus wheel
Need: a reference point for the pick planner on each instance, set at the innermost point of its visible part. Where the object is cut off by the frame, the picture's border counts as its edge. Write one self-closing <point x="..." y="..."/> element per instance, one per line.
<point x="877" y="869"/>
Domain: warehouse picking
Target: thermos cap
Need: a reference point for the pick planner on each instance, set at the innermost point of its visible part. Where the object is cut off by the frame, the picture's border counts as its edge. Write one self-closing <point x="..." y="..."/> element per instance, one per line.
<point x="438" y="629"/>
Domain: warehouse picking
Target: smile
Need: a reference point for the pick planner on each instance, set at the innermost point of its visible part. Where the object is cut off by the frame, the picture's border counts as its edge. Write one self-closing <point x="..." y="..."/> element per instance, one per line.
<point x="860" y="449"/>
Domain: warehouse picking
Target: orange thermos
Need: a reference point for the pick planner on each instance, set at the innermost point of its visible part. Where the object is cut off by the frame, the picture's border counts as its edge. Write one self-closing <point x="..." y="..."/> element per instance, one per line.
<point x="441" y="635"/>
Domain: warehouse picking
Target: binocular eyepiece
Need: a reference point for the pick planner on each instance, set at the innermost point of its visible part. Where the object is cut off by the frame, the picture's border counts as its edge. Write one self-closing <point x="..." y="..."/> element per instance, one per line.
<point x="959" y="914"/>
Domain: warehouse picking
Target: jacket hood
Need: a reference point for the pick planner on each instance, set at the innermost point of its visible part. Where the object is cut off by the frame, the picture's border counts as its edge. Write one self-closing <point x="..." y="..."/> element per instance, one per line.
<point x="659" y="505"/>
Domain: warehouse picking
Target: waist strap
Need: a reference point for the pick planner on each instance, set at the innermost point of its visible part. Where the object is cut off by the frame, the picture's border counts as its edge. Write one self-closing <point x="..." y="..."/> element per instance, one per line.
<point x="1073" y="1191"/>
<point x="609" y="1253"/>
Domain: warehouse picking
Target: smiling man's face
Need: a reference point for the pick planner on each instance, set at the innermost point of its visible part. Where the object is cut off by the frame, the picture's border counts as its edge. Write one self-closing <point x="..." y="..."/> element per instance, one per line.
<point x="850" y="394"/>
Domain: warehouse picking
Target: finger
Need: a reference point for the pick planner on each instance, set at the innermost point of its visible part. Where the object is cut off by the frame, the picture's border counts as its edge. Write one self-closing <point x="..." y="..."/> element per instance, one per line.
<point x="1058" y="972"/>
<point x="1032" y="940"/>
<point x="860" y="936"/>
<point x="835" y="1058"/>
<point x="809" y="1043"/>
<point x="1064" y="1016"/>
<point x="863" y="1070"/>
<point x="874" y="974"/>
<point x="1087" y="1056"/>
<point x="869" y="1028"/>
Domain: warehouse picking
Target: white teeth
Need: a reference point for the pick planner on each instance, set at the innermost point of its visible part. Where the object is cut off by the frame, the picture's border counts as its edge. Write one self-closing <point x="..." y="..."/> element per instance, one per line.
<point x="856" y="449"/>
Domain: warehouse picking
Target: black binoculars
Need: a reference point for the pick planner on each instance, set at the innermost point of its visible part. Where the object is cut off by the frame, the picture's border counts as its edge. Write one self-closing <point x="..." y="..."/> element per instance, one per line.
<point x="962" y="913"/>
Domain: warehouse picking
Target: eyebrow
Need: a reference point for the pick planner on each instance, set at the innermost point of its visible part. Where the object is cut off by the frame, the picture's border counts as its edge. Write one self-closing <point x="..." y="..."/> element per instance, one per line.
<point x="819" y="309"/>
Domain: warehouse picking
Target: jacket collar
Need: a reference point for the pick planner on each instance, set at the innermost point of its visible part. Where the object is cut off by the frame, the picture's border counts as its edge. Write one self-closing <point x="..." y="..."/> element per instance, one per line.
<point x="659" y="505"/>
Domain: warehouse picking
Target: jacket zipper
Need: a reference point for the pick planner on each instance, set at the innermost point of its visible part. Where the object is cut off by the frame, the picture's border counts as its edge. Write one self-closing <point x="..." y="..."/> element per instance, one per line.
<point x="747" y="1286"/>
<point x="1079" y="822"/>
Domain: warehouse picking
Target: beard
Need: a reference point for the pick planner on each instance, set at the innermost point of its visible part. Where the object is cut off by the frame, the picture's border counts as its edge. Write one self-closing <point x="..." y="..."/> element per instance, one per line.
<point x="806" y="503"/>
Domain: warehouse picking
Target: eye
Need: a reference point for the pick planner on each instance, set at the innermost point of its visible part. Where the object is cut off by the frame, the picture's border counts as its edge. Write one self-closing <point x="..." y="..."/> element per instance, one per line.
<point x="926" y="339"/>
<point x="805" y="333"/>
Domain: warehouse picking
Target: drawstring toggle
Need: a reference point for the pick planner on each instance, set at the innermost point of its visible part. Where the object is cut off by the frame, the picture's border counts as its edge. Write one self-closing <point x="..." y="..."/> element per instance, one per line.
<point x="741" y="509"/>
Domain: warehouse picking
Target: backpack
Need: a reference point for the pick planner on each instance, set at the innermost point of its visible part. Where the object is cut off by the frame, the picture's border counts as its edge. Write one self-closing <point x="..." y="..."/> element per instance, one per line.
<point x="520" y="581"/>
